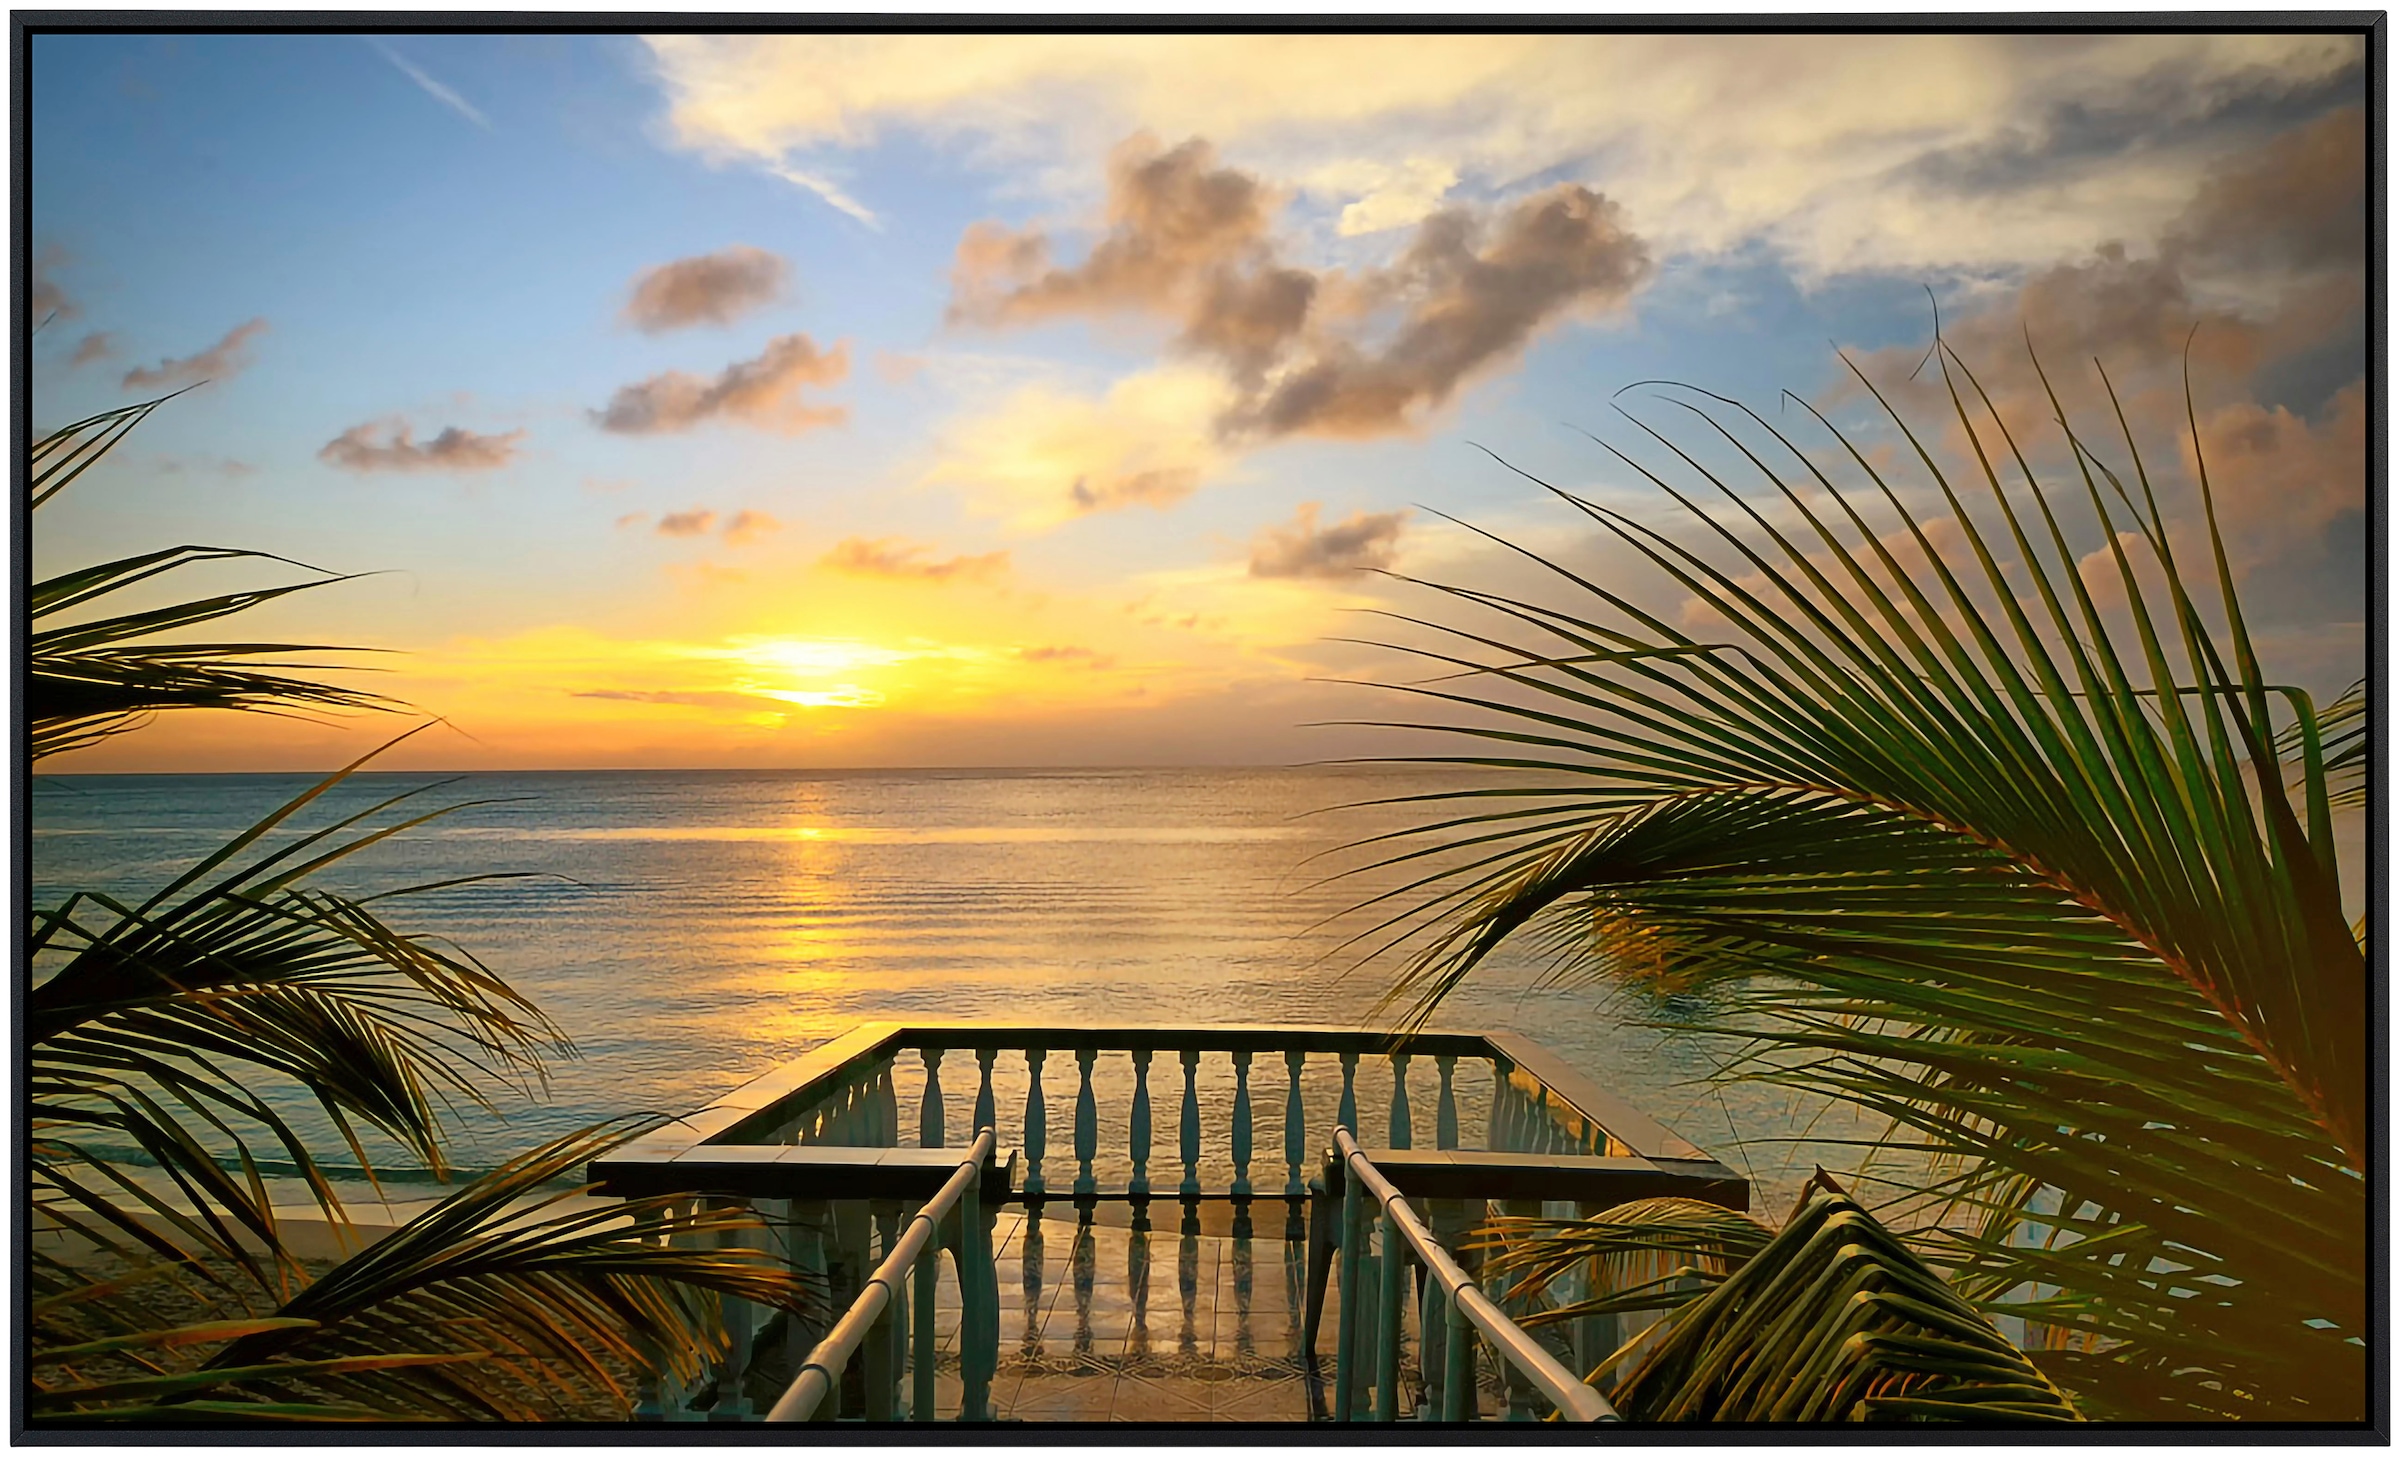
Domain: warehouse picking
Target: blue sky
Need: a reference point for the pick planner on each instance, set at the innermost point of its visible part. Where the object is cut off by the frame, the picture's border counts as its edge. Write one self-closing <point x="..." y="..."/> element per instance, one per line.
<point x="1028" y="504"/>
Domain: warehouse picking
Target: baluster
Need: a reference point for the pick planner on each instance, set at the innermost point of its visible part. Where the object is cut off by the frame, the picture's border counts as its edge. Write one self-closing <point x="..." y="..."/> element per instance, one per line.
<point x="1458" y="1364"/>
<point x="879" y="1357"/>
<point x="1388" y="1311"/>
<point x="740" y="1318"/>
<point x="1241" y="1125"/>
<point x="1139" y="1185"/>
<point x="1518" y="1398"/>
<point x="1037" y="1122"/>
<point x="1350" y="1258"/>
<point x="805" y="1223"/>
<point x="924" y="1293"/>
<point x="1295" y="1130"/>
<point x="929" y="1115"/>
<point x="1545" y="1127"/>
<point x="887" y="1106"/>
<point x="1399" y="1130"/>
<point x="1445" y="1115"/>
<point x="979" y="1305"/>
<point x="984" y="1118"/>
<point x="1347" y="1115"/>
<point x="1499" y="1136"/>
<point x="1431" y="1297"/>
<point x="1191" y="1124"/>
<point x="1087" y="1123"/>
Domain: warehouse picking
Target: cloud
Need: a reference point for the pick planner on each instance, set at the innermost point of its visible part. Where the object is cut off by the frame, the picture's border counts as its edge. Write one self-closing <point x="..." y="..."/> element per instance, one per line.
<point x="632" y="518"/>
<point x="224" y="359"/>
<point x="229" y="468"/>
<point x="1302" y="549"/>
<point x="1067" y="653"/>
<point x="695" y="522"/>
<point x="453" y="449"/>
<point x="1837" y="152"/>
<point x="829" y="192"/>
<point x="1468" y="305"/>
<point x="2258" y="285"/>
<point x="48" y="300"/>
<point x="762" y="392"/>
<point x="1173" y="217"/>
<point x="1356" y="353"/>
<point x="431" y="87"/>
<point x="896" y="560"/>
<point x="714" y="288"/>
<point x="749" y="526"/>
<point x="679" y="698"/>
<point x="92" y="348"/>
<point x="1044" y="455"/>
<point x="2297" y="203"/>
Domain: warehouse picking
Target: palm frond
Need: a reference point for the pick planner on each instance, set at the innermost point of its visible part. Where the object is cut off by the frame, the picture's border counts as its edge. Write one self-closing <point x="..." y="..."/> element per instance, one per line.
<point x="1956" y="845"/>
<point x="158" y="1020"/>
<point x="506" y="1301"/>
<point x="1643" y="1255"/>
<point x="2341" y="727"/>
<point x="1832" y="1320"/>
<point x="89" y="680"/>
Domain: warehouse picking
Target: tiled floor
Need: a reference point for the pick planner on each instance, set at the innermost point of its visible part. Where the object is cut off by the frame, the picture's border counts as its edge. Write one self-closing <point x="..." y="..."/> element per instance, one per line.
<point x="1104" y="1318"/>
<point x="1101" y="1322"/>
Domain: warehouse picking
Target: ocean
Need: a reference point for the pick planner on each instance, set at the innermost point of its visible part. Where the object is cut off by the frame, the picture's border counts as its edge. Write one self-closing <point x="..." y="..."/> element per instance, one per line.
<point x="691" y="929"/>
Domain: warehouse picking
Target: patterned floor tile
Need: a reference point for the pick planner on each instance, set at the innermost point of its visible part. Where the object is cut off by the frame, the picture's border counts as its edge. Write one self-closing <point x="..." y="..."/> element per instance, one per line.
<point x="1062" y="1399"/>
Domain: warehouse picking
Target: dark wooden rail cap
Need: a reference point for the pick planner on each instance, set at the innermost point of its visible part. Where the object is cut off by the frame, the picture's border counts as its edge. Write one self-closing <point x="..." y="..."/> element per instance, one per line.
<point x="787" y="1171"/>
<point x="1463" y="1174"/>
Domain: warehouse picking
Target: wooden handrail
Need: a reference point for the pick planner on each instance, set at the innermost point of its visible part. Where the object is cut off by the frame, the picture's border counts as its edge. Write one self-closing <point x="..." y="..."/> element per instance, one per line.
<point x="822" y="1371"/>
<point x="1465" y="1303"/>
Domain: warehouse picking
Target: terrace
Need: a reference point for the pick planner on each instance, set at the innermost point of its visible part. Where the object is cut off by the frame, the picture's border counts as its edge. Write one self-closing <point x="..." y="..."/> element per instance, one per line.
<point x="977" y="1272"/>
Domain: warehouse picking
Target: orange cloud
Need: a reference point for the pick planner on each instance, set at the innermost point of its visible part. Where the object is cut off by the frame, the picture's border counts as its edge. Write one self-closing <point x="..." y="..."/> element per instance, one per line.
<point x="762" y="392"/>
<point x="896" y="560"/>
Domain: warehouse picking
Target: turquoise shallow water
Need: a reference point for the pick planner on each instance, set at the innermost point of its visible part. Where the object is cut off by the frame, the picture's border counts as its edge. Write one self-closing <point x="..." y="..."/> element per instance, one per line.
<point x="692" y="929"/>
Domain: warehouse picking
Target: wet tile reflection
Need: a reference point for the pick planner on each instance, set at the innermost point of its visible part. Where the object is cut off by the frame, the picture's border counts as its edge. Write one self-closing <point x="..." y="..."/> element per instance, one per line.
<point x="1094" y="1331"/>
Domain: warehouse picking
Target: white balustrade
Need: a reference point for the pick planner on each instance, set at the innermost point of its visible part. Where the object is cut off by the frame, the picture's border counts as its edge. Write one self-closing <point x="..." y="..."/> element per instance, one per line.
<point x="929" y="1113"/>
<point x="1295" y="1129"/>
<point x="1087" y="1123"/>
<point x="1037" y="1130"/>
<point x="1241" y="1124"/>
<point x="1445" y="1116"/>
<point x="984" y="1057"/>
<point x="1191" y="1125"/>
<point x="1139" y="1134"/>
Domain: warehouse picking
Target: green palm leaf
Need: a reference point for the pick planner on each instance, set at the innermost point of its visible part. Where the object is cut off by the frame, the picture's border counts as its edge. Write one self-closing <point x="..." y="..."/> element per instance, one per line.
<point x="1959" y="847"/>
<point x="91" y="678"/>
<point x="513" y="1299"/>
<point x="1831" y="1320"/>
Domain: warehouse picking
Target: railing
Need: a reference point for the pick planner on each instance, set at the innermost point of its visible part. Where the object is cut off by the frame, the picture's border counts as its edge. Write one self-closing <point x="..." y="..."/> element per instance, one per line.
<point x="879" y="1320"/>
<point x="1230" y="1119"/>
<point x="830" y="1209"/>
<point x="822" y="1148"/>
<point x="1454" y="1311"/>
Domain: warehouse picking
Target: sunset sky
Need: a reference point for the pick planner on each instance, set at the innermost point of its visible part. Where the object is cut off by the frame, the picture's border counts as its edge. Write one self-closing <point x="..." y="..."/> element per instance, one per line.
<point x="855" y="401"/>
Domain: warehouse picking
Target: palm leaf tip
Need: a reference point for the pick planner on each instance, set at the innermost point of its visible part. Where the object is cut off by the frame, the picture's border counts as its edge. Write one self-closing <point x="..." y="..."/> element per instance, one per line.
<point x="1835" y="1320"/>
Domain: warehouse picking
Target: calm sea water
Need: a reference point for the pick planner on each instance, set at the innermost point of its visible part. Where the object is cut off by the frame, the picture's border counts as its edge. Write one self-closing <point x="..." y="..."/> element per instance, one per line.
<point x="692" y="929"/>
